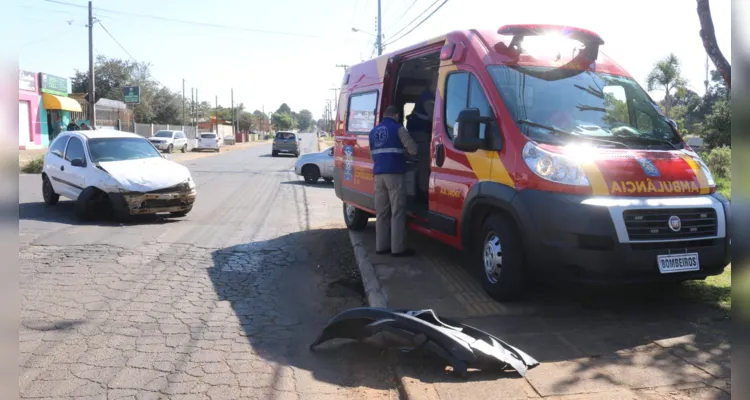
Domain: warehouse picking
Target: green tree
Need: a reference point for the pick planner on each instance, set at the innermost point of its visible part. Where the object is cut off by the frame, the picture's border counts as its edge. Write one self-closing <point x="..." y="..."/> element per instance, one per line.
<point x="284" y="109"/>
<point x="717" y="128"/>
<point x="283" y="121"/>
<point x="666" y="75"/>
<point x="305" y="118"/>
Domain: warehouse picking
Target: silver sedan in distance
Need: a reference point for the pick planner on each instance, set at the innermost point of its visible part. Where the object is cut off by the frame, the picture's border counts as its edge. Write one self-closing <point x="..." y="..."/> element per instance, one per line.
<point x="313" y="166"/>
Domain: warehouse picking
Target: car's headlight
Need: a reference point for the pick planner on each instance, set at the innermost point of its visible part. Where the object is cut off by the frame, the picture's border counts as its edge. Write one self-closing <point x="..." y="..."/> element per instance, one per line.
<point x="706" y="171"/>
<point x="558" y="168"/>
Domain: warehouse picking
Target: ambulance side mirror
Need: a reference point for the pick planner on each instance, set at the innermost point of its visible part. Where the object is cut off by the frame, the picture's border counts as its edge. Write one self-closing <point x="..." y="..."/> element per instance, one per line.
<point x="466" y="130"/>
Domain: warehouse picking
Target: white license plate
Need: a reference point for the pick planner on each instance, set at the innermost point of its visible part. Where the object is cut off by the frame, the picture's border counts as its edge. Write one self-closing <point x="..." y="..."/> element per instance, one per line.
<point x="678" y="263"/>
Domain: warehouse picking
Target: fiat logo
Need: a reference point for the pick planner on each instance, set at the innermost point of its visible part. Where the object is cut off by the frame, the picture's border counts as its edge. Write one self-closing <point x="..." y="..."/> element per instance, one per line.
<point x="675" y="224"/>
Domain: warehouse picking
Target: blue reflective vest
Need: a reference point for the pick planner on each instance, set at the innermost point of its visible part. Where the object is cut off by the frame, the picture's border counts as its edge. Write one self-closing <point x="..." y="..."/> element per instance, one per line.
<point x="386" y="148"/>
<point x="419" y="121"/>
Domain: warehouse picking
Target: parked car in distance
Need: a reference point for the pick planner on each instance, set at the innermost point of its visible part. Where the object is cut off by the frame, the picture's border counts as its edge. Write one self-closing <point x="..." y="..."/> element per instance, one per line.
<point x="313" y="166"/>
<point x="285" y="142"/>
<point x="208" y="141"/>
<point x="229" y="139"/>
<point x="109" y="172"/>
<point x="169" y="140"/>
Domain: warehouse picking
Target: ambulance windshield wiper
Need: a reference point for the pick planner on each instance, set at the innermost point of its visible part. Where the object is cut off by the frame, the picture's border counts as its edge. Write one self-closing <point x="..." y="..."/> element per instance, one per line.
<point x="565" y="133"/>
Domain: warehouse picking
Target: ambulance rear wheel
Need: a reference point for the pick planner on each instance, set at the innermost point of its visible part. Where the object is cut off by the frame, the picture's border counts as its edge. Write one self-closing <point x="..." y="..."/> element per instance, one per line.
<point x="501" y="259"/>
<point x="355" y="218"/>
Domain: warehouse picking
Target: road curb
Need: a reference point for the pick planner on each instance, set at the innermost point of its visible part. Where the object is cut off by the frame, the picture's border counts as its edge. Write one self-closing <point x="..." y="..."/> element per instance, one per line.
<point x="410" y="388"/>
<point x="373" y="289"/>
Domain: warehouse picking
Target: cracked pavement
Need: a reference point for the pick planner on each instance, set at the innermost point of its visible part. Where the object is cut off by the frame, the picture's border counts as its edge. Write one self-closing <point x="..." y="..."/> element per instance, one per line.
<point x="221" y="304"/>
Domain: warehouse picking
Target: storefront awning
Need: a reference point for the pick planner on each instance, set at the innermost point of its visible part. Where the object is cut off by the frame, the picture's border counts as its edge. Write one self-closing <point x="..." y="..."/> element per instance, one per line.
<point x="52" y="102"/>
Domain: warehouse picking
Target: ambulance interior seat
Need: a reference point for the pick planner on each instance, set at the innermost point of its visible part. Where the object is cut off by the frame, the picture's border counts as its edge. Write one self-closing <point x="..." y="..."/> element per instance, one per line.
<point x="413" y="77"/>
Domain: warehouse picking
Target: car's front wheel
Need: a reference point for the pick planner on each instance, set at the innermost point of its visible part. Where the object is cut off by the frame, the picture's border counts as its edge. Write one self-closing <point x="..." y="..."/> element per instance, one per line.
<point x="501" y="260"/>
<point x="274" y="153"/>
<point x="170" y="148"/>
<point x="184" y="148"/>
<point x="311" y="173"/>
<point x="328" y="180"/>
<point x="48" y="192"/>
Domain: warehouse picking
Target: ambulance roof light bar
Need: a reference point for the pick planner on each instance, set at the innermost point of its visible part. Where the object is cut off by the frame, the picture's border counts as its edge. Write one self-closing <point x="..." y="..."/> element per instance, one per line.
<point x="589" y="39"/>
<point x="582" y="35"/>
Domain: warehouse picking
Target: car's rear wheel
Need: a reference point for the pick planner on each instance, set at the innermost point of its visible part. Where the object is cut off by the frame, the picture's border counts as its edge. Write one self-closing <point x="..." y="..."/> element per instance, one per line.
<point x="311" y="173"/>
<point x="170" y="148"/>
<point x="48" y="192"/>
<point x="355" y="218"/>
<point x="501" y="262"/>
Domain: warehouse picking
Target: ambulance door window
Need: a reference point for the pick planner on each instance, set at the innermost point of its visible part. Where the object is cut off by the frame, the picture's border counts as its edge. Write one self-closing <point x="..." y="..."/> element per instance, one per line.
<point x="456" y="98"/>
<point x="477" y="99"/>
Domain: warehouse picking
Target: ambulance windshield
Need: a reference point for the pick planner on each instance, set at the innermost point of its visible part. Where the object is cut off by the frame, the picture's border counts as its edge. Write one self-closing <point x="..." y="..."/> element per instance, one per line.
<point x="587" y="104"/>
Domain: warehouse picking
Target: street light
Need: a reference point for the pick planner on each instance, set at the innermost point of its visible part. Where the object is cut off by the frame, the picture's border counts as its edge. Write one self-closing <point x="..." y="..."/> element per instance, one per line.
<point x="365" y="32"/>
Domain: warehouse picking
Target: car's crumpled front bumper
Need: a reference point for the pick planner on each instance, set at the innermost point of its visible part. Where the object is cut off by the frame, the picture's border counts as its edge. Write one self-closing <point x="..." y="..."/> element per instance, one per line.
<point x="174" y="199"/>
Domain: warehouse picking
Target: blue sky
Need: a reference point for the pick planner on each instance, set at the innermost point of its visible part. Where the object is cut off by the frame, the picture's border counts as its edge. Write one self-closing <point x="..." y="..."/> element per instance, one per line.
<point x="299" y="66"/>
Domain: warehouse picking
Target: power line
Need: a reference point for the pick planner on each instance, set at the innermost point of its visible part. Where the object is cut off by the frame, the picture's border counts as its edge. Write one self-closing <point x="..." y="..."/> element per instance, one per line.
<point x="418" y="16"/>
<point x="420" y="23"/>
<point x="187" y="22"/>
<point x="403" y="14"/>
<point x="116" y="41"/>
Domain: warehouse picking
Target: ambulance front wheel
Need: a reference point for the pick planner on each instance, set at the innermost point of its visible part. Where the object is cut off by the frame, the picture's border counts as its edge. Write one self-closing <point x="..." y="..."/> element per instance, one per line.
<point x="355" y="218"/>
<point x="501" y="262"/>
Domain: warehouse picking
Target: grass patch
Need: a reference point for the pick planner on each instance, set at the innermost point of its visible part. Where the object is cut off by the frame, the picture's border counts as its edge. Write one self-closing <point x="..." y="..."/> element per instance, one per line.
<point x="34" y="166"/>
<point x="724" y="186"/>
<point x="715" y="290"/>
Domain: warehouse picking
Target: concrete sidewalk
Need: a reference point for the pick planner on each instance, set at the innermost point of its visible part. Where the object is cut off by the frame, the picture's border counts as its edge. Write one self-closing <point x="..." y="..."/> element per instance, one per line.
<point x="618" y="344"/>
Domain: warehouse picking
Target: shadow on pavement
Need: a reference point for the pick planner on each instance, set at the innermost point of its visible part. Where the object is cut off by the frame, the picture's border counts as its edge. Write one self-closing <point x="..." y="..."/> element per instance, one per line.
<point x="284" y="291"/>
<point x="586" y="338"/>
<point x="320" y="183"/>
<point x="280" y="155"/>
<point x="64" y="213"/>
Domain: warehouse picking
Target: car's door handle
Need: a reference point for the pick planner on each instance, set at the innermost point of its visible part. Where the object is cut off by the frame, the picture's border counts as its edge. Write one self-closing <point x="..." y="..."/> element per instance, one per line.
<point x="62" y="168"/>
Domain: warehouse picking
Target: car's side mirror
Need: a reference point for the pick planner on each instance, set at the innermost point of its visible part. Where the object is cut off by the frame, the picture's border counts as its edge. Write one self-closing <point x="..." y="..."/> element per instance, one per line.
<point x="77" y="162"/>
<point x="466" y="130"/>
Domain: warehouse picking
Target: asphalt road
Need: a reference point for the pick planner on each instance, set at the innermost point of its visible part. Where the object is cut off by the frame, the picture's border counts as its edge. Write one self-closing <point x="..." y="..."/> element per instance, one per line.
<point x="220" y="304"/>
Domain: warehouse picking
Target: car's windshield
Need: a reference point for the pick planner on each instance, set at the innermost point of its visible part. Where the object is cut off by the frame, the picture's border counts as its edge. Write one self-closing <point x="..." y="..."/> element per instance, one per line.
<point x="208" y="136"/>
<point x="119" y="149"/>
<point x="163" y="134"/>
<point x="284" y="135"/>
<point x="588" y="104"/>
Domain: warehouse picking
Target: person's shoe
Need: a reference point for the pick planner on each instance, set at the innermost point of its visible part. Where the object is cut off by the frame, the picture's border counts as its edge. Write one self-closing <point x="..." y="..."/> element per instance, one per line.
<point x="405" y="253"/>
<point x="381" y="252"/>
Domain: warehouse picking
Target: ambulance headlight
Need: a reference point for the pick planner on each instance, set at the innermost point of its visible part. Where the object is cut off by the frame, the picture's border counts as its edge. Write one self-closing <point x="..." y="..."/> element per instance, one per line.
<point x="558" y="168"/>
<point x="706" y="171"/>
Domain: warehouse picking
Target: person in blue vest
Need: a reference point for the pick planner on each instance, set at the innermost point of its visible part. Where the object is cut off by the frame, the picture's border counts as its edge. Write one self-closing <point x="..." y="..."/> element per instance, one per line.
<point x="389" y="141"/>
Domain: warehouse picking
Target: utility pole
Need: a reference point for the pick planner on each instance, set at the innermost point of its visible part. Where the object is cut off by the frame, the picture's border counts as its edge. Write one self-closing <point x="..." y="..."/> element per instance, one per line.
<point x="380" y="32"/>
<point x="335" y="98"/>
<point x="197" y="111"/>
<point x="216" y="114"/>
<point x="234" y="116"/>
<point x="183" y="102"/>
<point x="92" y="85"/>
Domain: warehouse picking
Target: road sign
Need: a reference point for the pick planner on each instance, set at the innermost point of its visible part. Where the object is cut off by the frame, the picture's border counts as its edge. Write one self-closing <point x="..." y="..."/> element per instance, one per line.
<point x="131" y="94"/>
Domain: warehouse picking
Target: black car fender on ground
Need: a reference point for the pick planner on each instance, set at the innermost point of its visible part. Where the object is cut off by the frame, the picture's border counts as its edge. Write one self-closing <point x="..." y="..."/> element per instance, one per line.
<point x="460" y="345"/>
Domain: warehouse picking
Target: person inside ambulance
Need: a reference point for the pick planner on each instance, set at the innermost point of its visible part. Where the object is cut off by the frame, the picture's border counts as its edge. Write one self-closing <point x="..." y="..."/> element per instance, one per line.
<point x="419" y="125"/>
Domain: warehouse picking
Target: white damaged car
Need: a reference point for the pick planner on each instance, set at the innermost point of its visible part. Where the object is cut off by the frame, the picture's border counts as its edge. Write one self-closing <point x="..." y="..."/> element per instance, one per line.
<point x="108" y="172"/>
